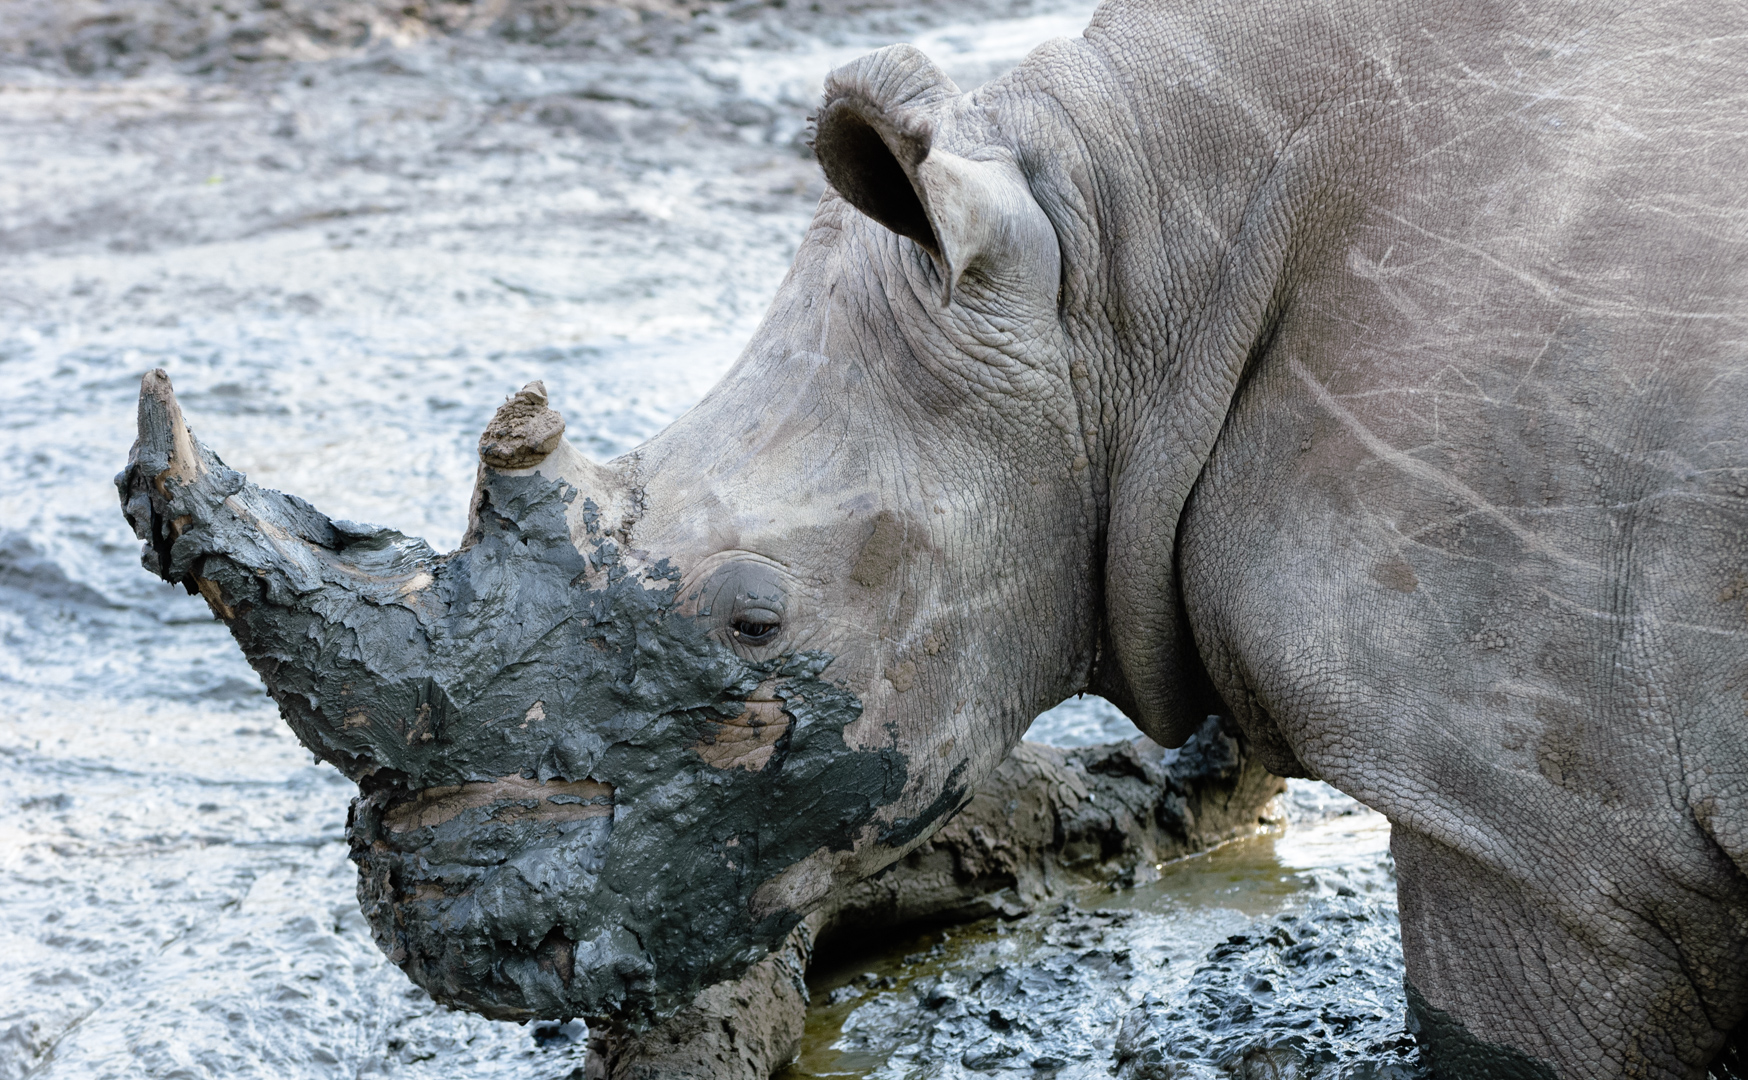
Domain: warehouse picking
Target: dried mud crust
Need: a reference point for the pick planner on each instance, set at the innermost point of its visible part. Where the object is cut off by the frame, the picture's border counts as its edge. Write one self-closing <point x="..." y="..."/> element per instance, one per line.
<point x="523" y="431"/>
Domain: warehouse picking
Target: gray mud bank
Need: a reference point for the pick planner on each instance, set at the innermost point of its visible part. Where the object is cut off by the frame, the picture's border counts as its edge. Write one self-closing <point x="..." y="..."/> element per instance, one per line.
<point x="348" y="231"/>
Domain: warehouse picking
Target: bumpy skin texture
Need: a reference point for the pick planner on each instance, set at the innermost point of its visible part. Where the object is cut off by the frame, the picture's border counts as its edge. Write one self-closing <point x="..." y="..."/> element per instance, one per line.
<point x="1374" y="367"/>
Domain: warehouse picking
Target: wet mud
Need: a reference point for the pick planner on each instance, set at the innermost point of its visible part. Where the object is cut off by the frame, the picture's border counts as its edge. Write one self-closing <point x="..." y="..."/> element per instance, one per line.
<point x="1276" y="955"/>
<point x="1316" y="992"/>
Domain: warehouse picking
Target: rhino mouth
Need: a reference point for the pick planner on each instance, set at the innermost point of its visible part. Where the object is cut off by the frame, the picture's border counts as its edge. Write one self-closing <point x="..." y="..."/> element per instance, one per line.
<point x="510" y="799"/>
<point x="468" y="887"/>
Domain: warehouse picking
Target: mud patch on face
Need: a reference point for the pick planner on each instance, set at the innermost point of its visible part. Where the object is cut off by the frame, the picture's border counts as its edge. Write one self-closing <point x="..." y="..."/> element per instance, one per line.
<point x="881" y="552"/>
<point x="1395" y="574"/>
<point x="902" y="676"/>
<point x="723" y="772"/>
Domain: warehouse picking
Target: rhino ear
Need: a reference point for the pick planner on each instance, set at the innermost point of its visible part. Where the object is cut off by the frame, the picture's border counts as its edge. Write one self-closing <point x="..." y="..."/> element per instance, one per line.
<point x="876" y="141"/>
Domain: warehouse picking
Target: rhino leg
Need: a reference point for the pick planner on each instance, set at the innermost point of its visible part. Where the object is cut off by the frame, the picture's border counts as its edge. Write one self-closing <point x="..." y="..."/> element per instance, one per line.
<point x="1466" y="926"/>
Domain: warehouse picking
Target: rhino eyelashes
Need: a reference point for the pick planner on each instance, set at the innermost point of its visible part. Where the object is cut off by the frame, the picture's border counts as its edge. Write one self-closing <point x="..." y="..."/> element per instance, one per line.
<point x="756" y="627"/>
<point x="748" y="597"/>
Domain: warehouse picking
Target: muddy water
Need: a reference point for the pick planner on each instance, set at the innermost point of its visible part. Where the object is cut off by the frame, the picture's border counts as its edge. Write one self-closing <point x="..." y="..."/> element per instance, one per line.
<point x="1182" y="963"/>
<point x="345" y="265"/>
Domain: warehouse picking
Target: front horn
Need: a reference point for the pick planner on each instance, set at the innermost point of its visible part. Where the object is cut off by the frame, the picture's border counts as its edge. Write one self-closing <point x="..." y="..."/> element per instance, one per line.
<point x="391" y="661"/>
<point x="333" y="615"/>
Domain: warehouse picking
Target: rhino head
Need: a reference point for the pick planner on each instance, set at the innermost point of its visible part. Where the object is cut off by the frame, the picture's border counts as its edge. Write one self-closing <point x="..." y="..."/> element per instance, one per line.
<point x="615" y="746"/>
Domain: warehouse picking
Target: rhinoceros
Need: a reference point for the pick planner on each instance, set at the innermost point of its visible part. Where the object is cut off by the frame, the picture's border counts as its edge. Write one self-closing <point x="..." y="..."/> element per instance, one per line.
<point x="1370" y="373"/>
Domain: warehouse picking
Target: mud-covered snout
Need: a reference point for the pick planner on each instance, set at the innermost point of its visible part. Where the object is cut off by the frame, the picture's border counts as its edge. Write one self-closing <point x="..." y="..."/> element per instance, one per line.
<point x="689" y="849"/>
<point x="590" y="785"/>
<point x="467" y="887"/>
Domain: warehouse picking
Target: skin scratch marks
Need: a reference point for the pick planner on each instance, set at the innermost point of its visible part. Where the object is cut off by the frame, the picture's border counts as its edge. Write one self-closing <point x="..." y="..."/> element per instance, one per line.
<point x="1555" y="293"/>
<point x="1413" y="466"/>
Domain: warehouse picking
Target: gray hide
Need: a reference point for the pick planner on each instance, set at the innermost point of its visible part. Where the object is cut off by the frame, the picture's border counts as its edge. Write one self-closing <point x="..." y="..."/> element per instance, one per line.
<point x="1375" y="368"/>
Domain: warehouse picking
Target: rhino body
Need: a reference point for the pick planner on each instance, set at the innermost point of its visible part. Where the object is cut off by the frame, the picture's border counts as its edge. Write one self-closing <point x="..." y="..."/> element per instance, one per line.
<point x="1371" y="373"/>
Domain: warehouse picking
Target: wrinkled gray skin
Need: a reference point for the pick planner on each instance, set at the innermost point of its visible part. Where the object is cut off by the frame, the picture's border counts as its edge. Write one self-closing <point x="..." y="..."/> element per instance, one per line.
<point x="1375" y="369"/>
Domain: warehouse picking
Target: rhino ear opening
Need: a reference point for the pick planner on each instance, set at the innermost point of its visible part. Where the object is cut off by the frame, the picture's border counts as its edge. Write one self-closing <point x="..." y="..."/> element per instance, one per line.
<point x="860" y="164"/>
<point x="877" y="141"/>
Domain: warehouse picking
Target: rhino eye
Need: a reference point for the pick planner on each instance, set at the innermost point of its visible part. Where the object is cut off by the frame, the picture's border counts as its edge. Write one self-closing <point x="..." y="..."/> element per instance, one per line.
<point x="745" y="603"/>
<point x="756" y="626"/>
